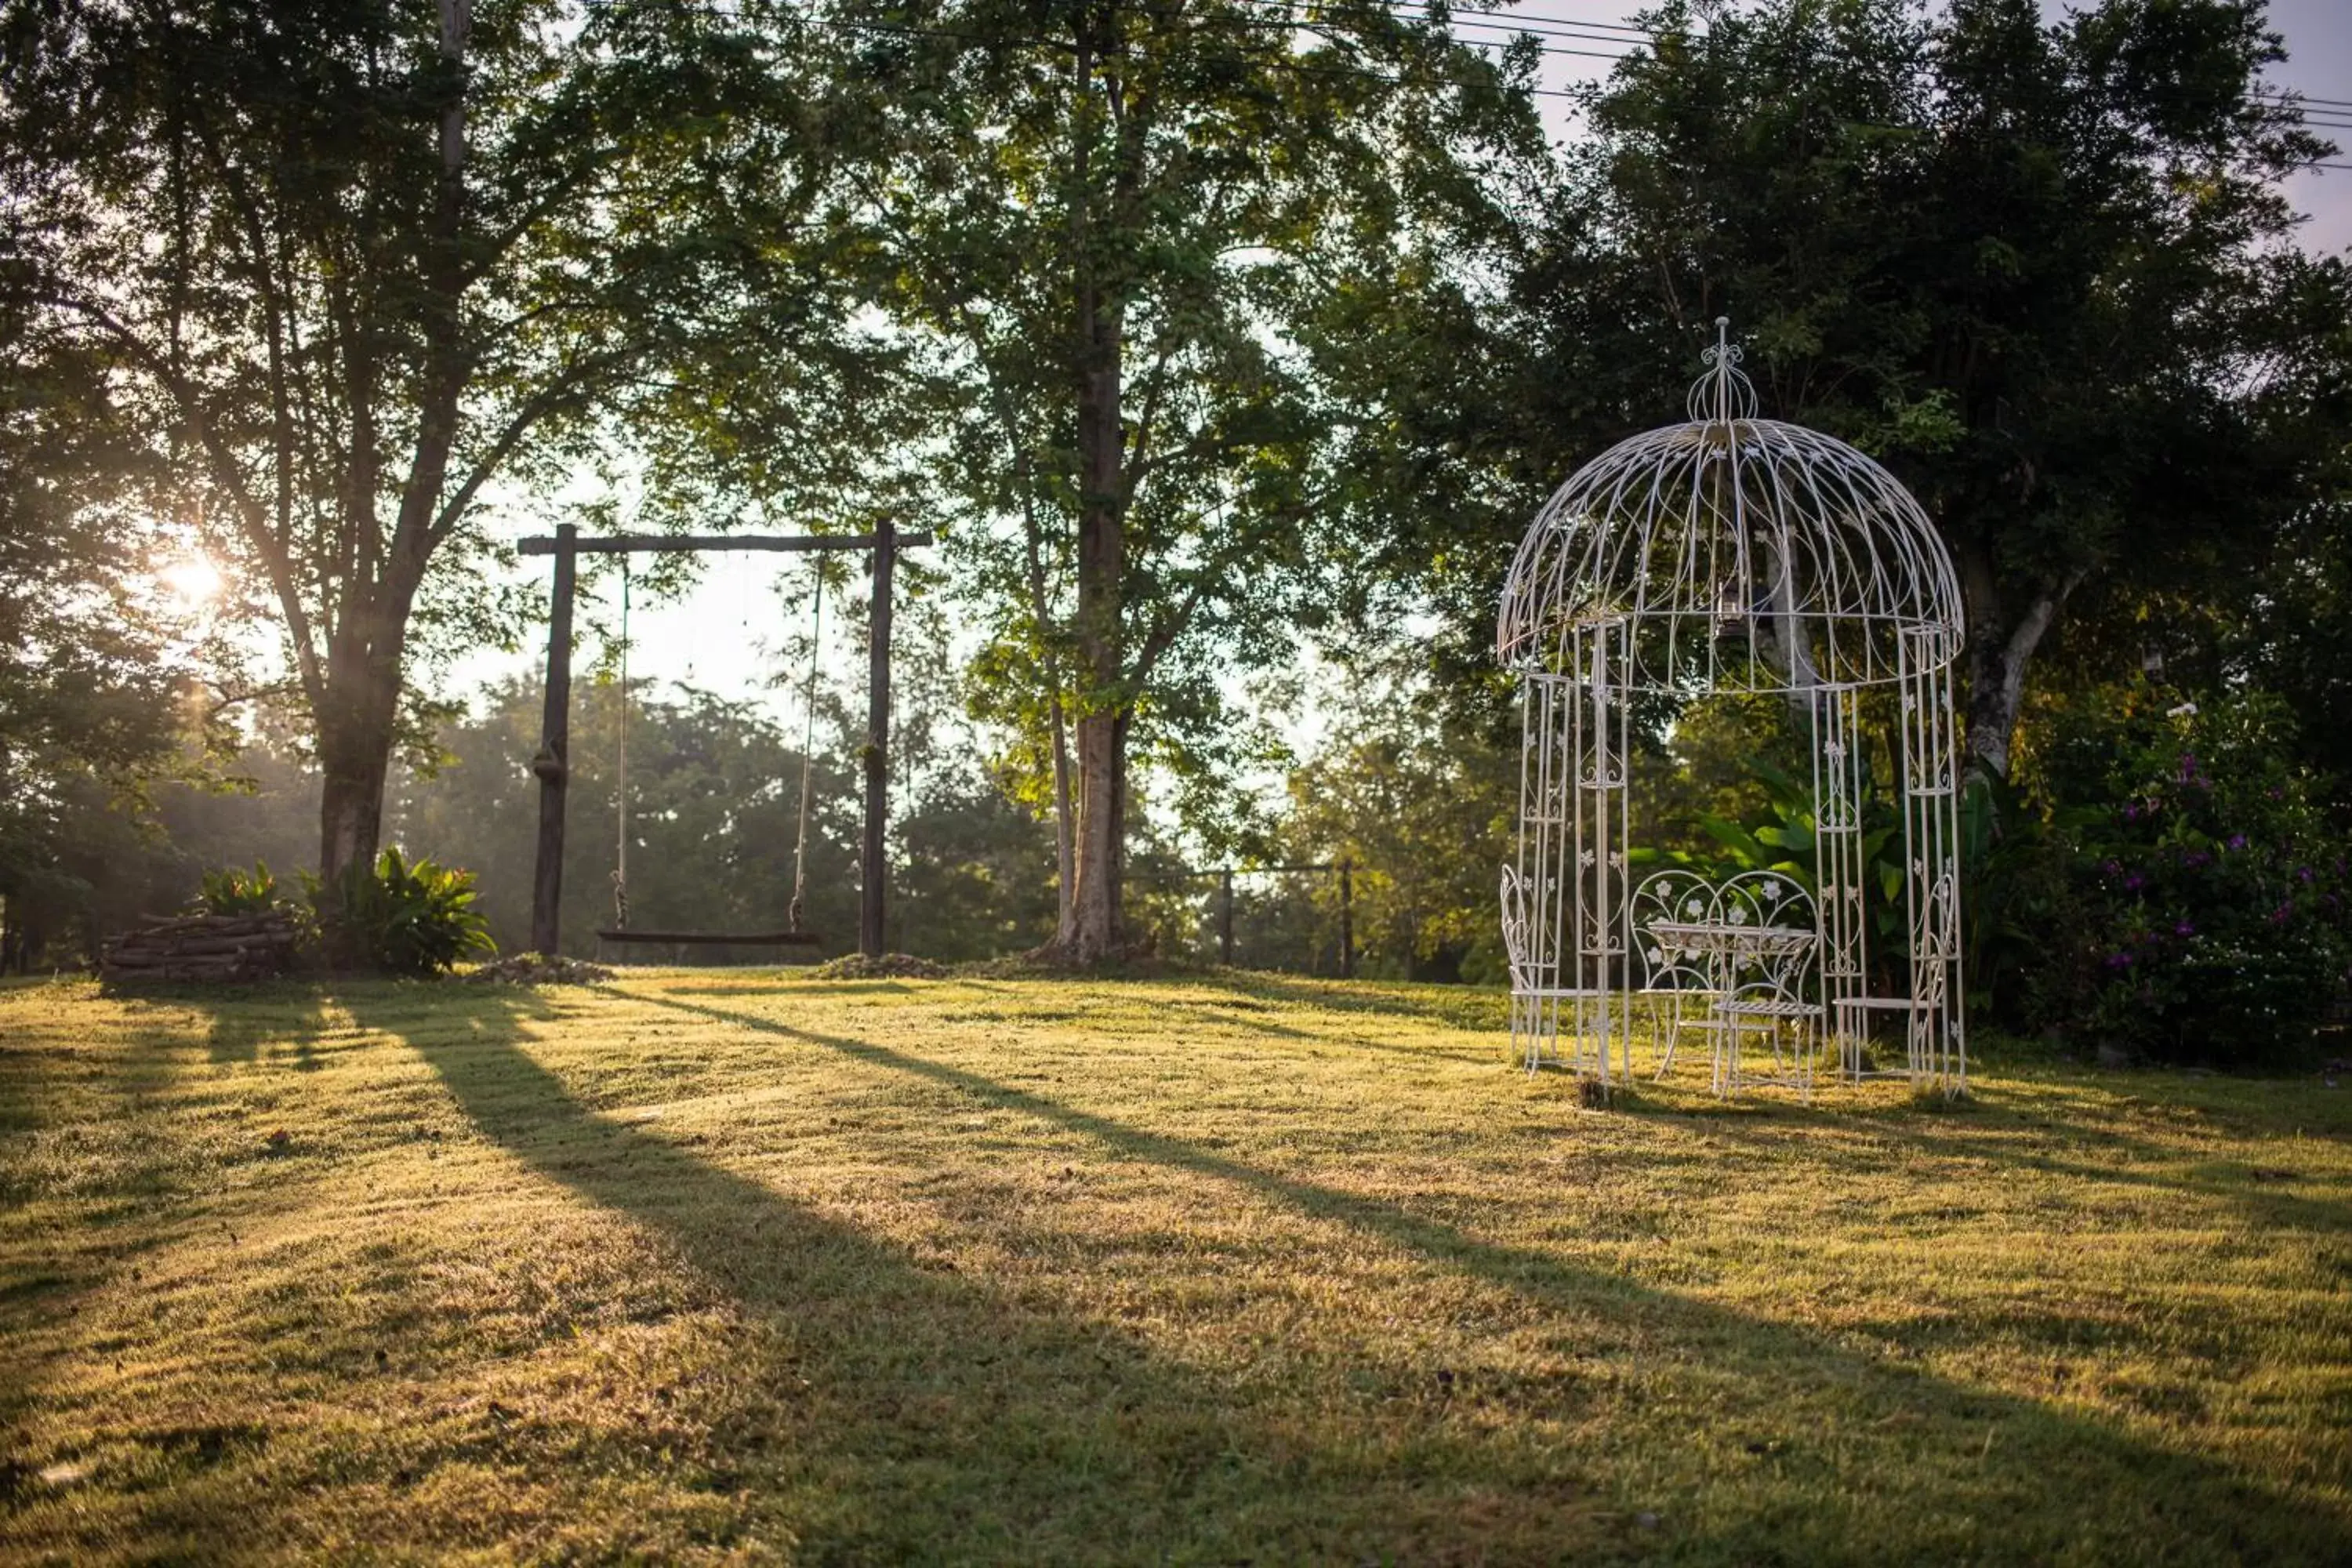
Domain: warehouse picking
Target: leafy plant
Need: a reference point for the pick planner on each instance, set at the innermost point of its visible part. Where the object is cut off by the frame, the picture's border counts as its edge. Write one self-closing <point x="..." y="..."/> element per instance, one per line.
<point x="234" y="890"/>
<point x="403" y="917"/>
<point x="2201" y="908"/>
<point x="2016" y="891"/>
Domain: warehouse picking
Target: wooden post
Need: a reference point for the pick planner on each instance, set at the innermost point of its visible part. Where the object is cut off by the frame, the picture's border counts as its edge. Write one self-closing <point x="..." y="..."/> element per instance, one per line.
<point x="877" y="742"/>
<point x="1346" y="922"/>
<point x="550" y="764"/>
<point x="1225" y="923"/>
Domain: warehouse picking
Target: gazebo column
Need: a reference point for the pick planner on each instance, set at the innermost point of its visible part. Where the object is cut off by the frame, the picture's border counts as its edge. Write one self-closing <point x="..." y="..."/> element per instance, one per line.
<point x="1603" y="984"/>
<point x="1838" y="869"/>
<point x="1931" y="857"/>
<point x="1547" y="753"/>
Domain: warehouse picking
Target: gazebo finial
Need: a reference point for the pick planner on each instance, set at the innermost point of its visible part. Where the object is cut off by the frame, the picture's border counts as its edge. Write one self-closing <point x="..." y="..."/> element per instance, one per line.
<point x="1722" y="393"/>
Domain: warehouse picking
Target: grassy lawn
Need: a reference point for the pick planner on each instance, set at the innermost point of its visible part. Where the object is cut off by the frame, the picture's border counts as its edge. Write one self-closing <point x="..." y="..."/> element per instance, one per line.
<point x="700" y="1266"/>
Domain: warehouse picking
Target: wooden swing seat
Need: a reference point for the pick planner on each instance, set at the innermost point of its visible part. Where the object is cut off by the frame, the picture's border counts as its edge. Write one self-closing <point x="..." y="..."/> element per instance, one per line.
<point x="715" y="938"/>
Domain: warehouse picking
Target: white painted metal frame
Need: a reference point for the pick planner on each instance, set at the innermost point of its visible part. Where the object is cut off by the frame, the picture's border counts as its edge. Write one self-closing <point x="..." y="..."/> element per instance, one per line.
<point x="1731" y="554"/>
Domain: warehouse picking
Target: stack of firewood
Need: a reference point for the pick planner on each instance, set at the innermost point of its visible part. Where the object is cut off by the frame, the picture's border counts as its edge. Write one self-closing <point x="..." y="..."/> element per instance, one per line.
<point x="204" y="947"/>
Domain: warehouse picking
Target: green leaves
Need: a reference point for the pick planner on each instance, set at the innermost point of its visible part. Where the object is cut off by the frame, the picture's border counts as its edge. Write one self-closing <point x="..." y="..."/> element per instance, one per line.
<point x="1162" y="200"/>
<point x="403" y="917"/>
<point x="346" y="268"/>
<point x="2042" y="271"/>
<point x="232" y="891"/>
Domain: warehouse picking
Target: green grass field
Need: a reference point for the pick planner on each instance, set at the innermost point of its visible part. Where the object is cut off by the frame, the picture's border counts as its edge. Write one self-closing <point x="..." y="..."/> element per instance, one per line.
<point x="703" y="1266"/>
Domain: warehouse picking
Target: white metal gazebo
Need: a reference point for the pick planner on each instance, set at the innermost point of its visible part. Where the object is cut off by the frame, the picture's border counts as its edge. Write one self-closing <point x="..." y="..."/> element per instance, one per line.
<point x="1727" y="555"/>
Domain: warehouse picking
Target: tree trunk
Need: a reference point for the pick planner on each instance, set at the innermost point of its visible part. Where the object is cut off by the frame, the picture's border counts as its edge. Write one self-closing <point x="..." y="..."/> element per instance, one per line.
<point x="1996" y="691"/>
<point x="1065" y="850"/>
<point x="351" y="809"/>
<point x="1095" y="904"/>
<point x="1093" y="930"/>
<point x="1999" y="651"/>
<point x="1099" y="851"/>
<point x="356" y="728"/>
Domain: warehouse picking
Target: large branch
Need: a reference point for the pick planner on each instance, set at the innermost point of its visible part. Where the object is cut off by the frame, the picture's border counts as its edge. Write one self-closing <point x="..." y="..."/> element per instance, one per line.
<point x="276" y="307"/>
<point x="1197" y="448"/>
<point x="448" y="366"/>
<point x="575" y="389"/>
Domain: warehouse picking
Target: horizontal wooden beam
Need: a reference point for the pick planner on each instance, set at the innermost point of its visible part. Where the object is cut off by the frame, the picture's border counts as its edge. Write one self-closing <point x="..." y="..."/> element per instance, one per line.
<point x="633" y="543"/>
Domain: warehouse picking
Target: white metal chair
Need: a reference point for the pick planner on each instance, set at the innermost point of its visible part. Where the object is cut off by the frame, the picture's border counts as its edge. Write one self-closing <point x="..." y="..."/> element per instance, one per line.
<point x="1675" y="979"/>
<point x="1740" y="960"/>
<point x="1537" y="998"/>
<point x="1776" y="989"/>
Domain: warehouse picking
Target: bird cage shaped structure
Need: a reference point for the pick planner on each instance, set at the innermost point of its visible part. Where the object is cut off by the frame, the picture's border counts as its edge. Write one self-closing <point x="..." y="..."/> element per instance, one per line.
<point x="1733" y="555"/>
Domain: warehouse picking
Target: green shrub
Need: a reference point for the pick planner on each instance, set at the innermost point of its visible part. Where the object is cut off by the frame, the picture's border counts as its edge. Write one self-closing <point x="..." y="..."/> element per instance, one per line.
<point x="234" y="890"/>
<point x="2203" y="914"/>
<point x="2168" y="885"/>
<point x="2018" y="894"/>
<point x="402" y="917"/>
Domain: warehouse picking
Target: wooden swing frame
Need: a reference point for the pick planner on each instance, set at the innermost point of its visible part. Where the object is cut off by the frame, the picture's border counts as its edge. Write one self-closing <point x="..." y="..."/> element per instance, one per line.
<point x="551" y="765"/>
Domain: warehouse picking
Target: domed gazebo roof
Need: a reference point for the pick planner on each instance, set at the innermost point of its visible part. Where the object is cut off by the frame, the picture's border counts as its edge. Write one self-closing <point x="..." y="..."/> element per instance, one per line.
<point x="1739" y="554"/>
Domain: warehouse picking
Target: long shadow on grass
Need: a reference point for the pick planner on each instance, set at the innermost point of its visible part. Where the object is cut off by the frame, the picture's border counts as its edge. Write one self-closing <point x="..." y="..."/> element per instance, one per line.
<point x="2006" y="1138"/>
<point x="1240" y="1022"/>
<point x="287" y="1012"/>
<point x="2054" y="1481"/>
<point x="908" y="1413"/>
<point x="127" y="1193"/>
<point x="1457" y="1007"/>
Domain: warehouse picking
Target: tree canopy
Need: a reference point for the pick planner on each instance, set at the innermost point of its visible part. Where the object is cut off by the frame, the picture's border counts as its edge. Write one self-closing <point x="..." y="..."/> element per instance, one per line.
<point x="354" y="269"/>
<point x="1110" y="228"/>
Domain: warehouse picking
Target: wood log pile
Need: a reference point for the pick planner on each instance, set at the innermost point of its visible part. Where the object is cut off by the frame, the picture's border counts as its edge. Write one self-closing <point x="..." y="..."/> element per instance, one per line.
<point x="204" y="947"/>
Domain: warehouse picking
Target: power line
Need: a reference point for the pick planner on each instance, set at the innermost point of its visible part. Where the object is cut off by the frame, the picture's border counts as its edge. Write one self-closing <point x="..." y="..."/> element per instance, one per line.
<point x="2325" y="112"/>
<point x="718" y="8"/>
<point x="1321" y="25"/>
<point x="1535" y="24"/>
<point x="1308" y="67"/>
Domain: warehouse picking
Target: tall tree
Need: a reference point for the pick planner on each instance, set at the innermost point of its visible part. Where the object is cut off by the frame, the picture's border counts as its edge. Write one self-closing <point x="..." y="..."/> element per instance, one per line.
<point x="1110" y="224"/>
<point x="355" y="265"/>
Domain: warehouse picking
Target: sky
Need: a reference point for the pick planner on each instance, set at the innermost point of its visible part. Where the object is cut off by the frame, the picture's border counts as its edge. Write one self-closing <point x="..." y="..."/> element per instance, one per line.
<point x="2318" y="36"/>
<point x="710" y="637"/>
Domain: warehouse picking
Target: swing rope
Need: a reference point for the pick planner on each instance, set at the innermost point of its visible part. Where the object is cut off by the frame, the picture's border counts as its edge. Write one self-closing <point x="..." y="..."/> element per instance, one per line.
<point x="621" y="789"/>
<point x="620" y="781"/>
<point x="808" y="745"/>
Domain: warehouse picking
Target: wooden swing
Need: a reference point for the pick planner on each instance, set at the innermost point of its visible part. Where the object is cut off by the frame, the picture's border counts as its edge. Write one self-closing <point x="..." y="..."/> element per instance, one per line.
<point x="793" y="935"/>
<point x="549" y="765"/>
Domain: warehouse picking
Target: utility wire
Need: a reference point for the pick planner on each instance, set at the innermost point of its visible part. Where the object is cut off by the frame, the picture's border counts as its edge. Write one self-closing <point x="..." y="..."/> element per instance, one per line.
<point x="2335" y="114"/>
<point x="1308" y="67"/>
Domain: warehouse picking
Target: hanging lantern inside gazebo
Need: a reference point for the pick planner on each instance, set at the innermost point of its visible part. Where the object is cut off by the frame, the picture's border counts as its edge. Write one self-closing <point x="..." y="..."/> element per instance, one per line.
<point x="1733" y="556"/>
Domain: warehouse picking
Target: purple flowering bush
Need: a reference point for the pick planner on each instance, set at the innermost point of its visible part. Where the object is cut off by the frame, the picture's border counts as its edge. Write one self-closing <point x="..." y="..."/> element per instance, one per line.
<point x="2204" y="913"/>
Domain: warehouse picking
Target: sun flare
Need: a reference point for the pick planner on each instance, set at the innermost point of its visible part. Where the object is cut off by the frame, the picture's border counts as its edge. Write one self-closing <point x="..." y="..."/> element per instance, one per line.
<point x="193" y="583"/>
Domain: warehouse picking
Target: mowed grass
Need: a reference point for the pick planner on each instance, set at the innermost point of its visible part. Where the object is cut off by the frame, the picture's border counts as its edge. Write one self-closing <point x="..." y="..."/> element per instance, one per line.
<point x="707" y="1266"/>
